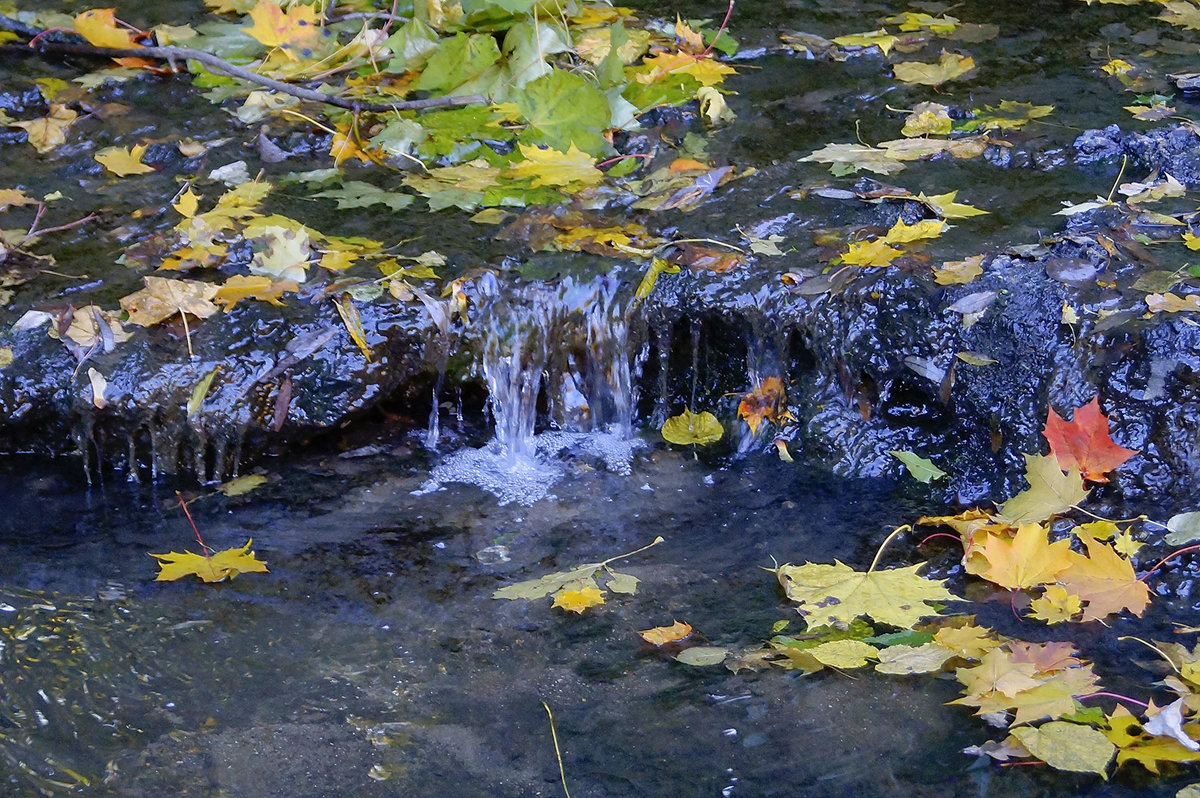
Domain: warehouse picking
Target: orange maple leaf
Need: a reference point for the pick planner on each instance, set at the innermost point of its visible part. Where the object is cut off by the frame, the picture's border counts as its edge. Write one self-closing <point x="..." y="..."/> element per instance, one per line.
<point x="1084" y="442"/>
<point x="1105" y="581"/>
<point x="294" y="30"/>
<point x="1028" y="560"/>
<point x="765" y="402"/>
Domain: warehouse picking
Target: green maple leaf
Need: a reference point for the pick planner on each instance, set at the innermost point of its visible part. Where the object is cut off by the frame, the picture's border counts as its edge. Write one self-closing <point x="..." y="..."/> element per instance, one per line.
<point x="457" y="61"/>
<point x="564" y="109"/>
<point x="837" y="594"/>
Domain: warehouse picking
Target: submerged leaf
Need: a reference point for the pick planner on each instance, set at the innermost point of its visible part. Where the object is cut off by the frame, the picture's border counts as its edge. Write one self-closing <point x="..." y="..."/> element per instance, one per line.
<point x="837" y="594"/>
<point x="921" y="469"/>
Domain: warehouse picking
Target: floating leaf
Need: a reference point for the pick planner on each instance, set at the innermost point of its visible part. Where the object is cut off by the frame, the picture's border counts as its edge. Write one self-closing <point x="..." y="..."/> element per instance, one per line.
<point x="578" y="599"/>
<point x="948" y="67"/>
<point x="692" y="428"/>
<point x="547" y="167"/>
<point x="123" y="161"/>
<point x="1068" y="746"/>
<point x="1083" y="443"/>
<point x="291" y="31"/>
<point x="1027" y="560"/>
<point x="702" y="656"/>
<point x="921" y="469"/>
<point x="243" y="484"/>
<point x="217" y="567"/>
<point x="47" y="132"/>
<point x="1050" y="492"/>
<point x="1184" y="528"/>
<point x="848" y="158"/>
<point x="661" y="635"/>
<point x="163" y="298"/>
<point x="99" y="27"/>
<point x="837" y="594"/>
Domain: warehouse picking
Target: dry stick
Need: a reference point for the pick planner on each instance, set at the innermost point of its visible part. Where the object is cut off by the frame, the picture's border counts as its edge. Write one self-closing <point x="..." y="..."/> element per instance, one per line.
<point x="171" y="54"/>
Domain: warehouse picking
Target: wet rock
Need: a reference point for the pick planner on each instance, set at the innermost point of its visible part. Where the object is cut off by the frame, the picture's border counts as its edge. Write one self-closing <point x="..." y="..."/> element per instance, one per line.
<point x="1174" y="149"/>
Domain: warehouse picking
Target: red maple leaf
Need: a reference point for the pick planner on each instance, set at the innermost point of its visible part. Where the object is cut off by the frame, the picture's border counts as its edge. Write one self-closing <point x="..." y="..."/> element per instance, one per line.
<point x="1084" y="442"/>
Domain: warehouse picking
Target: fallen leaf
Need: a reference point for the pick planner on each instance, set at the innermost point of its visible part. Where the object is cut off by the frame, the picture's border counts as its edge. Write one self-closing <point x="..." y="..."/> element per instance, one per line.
<point x="99" y="27"/>
<point x="849" y="158"/>
<point x="243" y="484"/>
<point x="1068" y="746"/>
<point x="958" y="272"/>
<point x="578" y="599"/>
<point x="1056" y="605"/>
<point x="217" y="567"/>
<point x="702" y="656"/>
<point x="1050" y="492"/>
<point x="1027" y="560"/>
<point x="765" y="402"/>
<point x="547" y="167"/>
<point x="1083" y="443"/>
<point x="910" y="660"/>
<point x="661" y="635"/>
<point x="1168" y="722"/>
<point x="836" y="594"/>
<point x="948" y="67"/>
<point x="99" y="386"/>
<point x="47" y="132"/>
<point x="876" y="38"/>
<point x="1184" y="528"/>
<point x="1172" y="303"/>
<point x="692" y="428"/>
<point x="920" y="468"/>
<point x="843" y="653"/>
<point x="123" y="161"/>
<point x="876" y="252"/>
<point x="291" y="31"/>
<point x="260" y="287"/>
<point x="163" y="298"/>
<point x="1105" y="581"/>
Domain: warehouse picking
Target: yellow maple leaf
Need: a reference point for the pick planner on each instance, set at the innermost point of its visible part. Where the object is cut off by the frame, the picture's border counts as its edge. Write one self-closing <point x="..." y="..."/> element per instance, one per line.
<point x="578" y="599"/>
<point x="878" y="38"/>
<point x="1172" y="303"/>
<point x="99" y="27"/>
<point x="707" y="71"/>
<point x="285" y="254"/>
<point x="1050" y="491"/>
<point x="958" y="272"/>
<point x="123" y="161"/>
<point x="292" y="30"/>
<point x="163" y="298"/>
<point x="188" y="203"/>
<point x="1056" y="605"/>
<point x="945" y="206"/>
<point x="876" y="252"/>
<point x="14" y="197"/>
<point x="948" y="67"/>
<point x="216" y="567"/>
<point x="831" y="595"/>
<point x="259" y="287"/>
<point x="47" y="132"/>
<point x="1028" y="560"/>
<point x="901" y="233"/>
<point x="547" y="167"/>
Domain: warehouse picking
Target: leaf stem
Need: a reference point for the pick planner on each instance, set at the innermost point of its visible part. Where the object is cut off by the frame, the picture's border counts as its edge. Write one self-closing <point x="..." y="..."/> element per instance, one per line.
<point x="655" y="542"/>
<point x="204" y="549"/>
<point x="562" y="773"/>
<point x="1170" y="556"/>
<point x="895" y="533"/>
<point x="1118" y="696"/>
<point x="1161" y="653"/>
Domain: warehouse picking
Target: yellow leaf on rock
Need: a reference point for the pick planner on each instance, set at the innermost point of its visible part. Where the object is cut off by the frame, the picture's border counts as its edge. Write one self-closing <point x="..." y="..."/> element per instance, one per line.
<point x="958" y="272"/>
<point x="123" y="161"/>
<point x="578" y="600"/>
<point x="163" y="298"/>
<point x="1028" y="560"/>
<point x="219" y="566"/>
<point x="661" y="635"/>
<point x="1172" y="303"/>
<point x="692" y="428"/>
<point x="547" y="167"/>
<point x="901" y="233"/>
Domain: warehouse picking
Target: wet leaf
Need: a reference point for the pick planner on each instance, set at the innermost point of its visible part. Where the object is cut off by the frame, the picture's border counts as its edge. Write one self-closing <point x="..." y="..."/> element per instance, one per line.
<point x="243" y="484"/>
<point x="662" y="635"/>
<point x="353" y="323"/>
<point x="1168" y="722"/>
<point x="1050" y="492"/>
<point x="163" y="298"/>
<point x="47" y="132"/>
<point x="843" y="653"/>
<point x="876" y="252"/>
<point x="1184" y="528"/>
<point x="945" y="206"/>
<point x="578" y="599"/>
<point x="547" y="167"/>
<point x="1008" y="115"/>
<point x="218" y="567"/>
<point x="836" y="594"/>
<point x="262" y="288"/>
<point x="1084" y="443"/>
<point x="877" y="38"/>
<point x="702" y="656"/>
<point x="766" y="402"/>
<point x="910" y="660"/>
<point x="928" y="119"/>
<point x="99" y="386"/>
<point x="921" y="469"/>
<point x="200" y="391"/>
<point x="1172" y="303"/>
<point x="285" y="253"/>
<point x="1105" y="581"/>
<point x="1028" y="560"/>
<point x="292" y="31"/>
<point x="689" y="428"/>
<point x="849" y="158"/>
<point x="948" y="67"/>
<point x="1056" y="605"/>
<point x="1068" y="746"/>
<point x="99" y="27"/>
<point x="958" y="272"/>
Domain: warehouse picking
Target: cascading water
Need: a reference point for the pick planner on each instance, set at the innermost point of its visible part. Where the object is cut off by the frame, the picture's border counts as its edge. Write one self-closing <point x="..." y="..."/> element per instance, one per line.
<point x="565" y="346"/>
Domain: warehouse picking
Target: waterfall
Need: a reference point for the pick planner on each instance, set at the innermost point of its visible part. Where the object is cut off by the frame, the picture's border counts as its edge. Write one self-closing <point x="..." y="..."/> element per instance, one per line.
<point x="560" y="348"/>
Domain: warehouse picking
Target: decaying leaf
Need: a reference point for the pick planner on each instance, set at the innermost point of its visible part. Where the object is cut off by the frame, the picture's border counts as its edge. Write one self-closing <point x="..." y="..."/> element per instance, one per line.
<point x="948" y="67"/>
<point x="217" y="567"/>
<point x="766" y="402"/>
<point x="163" y="298"/>
<point x="1068" y="746"/>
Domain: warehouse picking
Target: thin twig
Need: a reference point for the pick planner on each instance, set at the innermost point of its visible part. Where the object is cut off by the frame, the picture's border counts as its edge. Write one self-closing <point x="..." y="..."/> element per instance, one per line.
<point x="562" y="773"/>
<point x="171" y="54"/>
